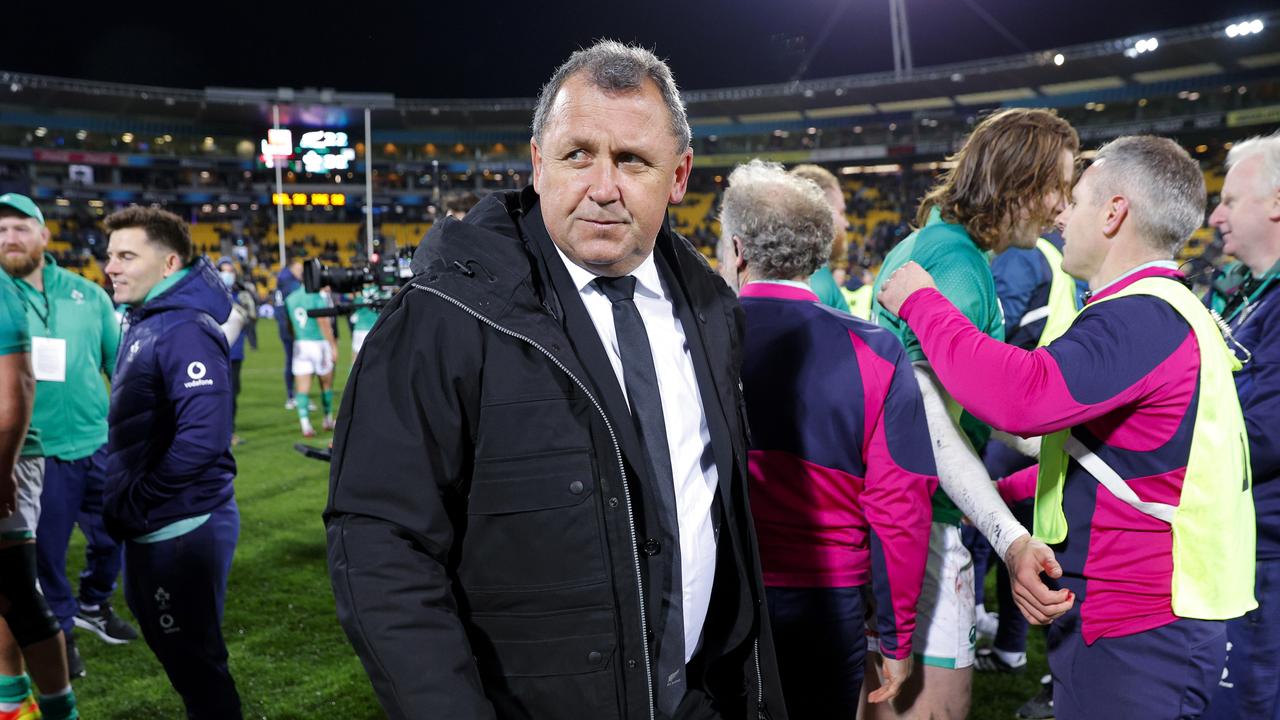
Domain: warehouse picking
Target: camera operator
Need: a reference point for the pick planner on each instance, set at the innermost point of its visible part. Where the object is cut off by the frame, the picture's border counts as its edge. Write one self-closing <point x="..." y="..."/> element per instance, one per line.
<point x="372" y="297"/>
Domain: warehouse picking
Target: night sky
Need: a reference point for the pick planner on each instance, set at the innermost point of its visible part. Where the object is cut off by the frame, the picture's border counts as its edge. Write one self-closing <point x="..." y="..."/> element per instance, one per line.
<point x="425" y="49"/>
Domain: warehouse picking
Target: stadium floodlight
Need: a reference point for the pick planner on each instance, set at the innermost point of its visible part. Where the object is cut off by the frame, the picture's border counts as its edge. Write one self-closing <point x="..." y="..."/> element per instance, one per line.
<point x="1059" y="59"/>
<point x="1245" y="27"/>
<point x="1145" y="45"/>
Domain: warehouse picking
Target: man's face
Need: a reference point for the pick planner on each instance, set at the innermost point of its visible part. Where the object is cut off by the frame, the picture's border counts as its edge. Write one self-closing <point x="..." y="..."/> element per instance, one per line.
<point x="22" y="243"/>
<point x="135" y="264"/>
<point x="1247" y="215"/>
<point x="1031" y="221"/>
<point x="605" y="171"/>
<point x="1082" y="220"/>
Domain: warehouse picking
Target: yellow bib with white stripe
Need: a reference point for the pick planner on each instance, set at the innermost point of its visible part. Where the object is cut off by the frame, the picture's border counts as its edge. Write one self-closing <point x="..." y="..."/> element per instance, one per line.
<point x="1214" y="531"/>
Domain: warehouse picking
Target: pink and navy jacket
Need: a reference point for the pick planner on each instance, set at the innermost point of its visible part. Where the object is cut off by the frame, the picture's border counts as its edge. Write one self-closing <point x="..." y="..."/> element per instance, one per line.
<point x="841" y="464"/>
<point x="1124" y="379"/>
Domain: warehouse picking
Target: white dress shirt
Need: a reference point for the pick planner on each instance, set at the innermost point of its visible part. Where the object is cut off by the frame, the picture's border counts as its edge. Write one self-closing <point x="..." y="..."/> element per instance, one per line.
<point x="688" y="437"/>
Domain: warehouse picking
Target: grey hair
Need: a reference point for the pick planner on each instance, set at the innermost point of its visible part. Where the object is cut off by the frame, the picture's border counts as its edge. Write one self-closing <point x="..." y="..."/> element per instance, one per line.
<point x="784" y="221"/>
<point x="616" y="68"/>
<point x="1268" y="148"/>
<point x="1164" y="185"/>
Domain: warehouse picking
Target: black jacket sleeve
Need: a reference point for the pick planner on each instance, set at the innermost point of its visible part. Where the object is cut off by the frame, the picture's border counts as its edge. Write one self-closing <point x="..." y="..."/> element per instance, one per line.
<point x="402" y="447"/>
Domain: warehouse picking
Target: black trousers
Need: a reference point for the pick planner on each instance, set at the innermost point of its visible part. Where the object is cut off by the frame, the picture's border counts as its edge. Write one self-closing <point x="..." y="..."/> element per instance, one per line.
<point x="820" y="636"/>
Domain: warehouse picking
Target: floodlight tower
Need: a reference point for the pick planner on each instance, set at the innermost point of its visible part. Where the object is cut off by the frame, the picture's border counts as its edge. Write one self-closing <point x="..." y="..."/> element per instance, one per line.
<point x="901" y="36"/>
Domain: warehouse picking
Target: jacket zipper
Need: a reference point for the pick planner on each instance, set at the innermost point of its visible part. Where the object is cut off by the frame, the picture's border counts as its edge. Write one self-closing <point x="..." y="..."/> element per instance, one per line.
<point x="755" y="655"/>
<point x="617" y="449"/>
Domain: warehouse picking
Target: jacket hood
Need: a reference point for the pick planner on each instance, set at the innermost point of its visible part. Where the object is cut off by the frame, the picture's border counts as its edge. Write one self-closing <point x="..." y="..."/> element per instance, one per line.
<point x="200" y="290"/>
<point x="485" y="259"/>
<point x="487" y="235"/>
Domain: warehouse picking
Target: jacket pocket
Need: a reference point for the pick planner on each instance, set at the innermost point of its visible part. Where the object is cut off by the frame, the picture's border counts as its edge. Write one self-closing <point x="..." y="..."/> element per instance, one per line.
<point x="569" y="678"/>
<point x="530" y="525"/>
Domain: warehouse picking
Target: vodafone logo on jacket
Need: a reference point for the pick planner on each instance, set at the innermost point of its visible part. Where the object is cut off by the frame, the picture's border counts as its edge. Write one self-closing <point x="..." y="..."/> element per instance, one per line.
<point x="196" y="371"/>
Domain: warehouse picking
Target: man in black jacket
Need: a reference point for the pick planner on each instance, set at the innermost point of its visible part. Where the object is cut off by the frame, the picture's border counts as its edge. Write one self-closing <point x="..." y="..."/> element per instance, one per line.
<point x="537" y="504"/>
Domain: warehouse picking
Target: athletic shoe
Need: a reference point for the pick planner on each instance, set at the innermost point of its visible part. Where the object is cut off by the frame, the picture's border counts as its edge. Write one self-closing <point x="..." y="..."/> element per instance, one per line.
<point x="1039" y="707"/>
<point x="290" y="404"/>
<point x="108" y="626"/>
<point x="988" y="661"/>
<point x="988" y="623"/>
<point x="75" y="664"/>
<point x="329" y="422"/>
<point x="26" y="710"/>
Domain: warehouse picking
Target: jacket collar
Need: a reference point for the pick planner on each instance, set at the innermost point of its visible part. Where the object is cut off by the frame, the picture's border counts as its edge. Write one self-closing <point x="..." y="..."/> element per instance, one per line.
<point x="777" y="290"/>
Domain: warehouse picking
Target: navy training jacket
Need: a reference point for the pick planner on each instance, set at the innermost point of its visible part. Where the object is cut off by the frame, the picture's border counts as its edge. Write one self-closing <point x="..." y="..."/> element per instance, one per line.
<point x="169" y="448"/>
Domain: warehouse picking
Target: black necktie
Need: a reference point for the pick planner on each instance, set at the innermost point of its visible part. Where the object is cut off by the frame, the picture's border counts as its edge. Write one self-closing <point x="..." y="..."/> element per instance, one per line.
<point x="641" y="380"/>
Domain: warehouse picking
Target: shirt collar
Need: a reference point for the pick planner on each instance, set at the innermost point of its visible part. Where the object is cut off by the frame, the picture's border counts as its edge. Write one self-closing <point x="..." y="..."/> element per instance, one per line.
<point x="647" y="280"/>
<point x="1155" y="264"/>
<point x="165" y="284"/>
<point x="779" y="289"/>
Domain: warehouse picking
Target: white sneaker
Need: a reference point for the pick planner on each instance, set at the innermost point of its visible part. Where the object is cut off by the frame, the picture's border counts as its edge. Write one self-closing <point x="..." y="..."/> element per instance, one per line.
<point x="329" y="422"/>
<point x="307" y="430"/>
<point x="290" y="404"/>
<point x="988" y="623"/>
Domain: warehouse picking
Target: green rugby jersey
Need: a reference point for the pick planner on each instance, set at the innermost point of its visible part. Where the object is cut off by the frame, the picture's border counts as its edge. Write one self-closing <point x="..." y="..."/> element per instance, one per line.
<point x="297" y="303"/>
<point x="78" y="312"/>
<point x="962" y="272"/>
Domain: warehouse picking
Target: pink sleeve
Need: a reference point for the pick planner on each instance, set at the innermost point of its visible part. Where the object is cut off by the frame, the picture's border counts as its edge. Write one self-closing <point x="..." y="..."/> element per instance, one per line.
<point x="1019" y="486"/>
<point x="1015" y="390"/>
<point x="896" y="504"/>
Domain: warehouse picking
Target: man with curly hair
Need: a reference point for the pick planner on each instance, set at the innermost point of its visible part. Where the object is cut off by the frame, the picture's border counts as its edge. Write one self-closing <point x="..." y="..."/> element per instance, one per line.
<point x="1011" y="178"/>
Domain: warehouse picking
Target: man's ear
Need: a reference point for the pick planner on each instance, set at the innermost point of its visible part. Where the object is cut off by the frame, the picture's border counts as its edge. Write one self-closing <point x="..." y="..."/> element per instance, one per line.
<point x="680" y="183"/>
<point x="535" y="158"/>
<point x="740" y="264"/>
<point x="172" y="264"/>
<point x="1117" y="212"/>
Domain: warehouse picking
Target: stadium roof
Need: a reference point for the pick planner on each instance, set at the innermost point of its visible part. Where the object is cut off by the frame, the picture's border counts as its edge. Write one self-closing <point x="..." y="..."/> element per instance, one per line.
<point x="1184" y="55"/>
<point x="507" y="49"/>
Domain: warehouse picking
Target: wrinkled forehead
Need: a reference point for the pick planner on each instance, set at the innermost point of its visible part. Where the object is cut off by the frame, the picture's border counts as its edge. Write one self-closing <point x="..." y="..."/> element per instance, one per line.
<point x="636" y="116"/>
